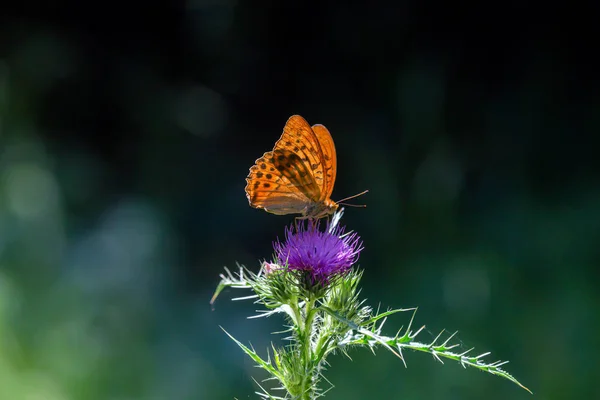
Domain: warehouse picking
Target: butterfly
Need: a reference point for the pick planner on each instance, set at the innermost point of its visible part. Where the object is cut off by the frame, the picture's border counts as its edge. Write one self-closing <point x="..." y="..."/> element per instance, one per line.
<point x="298" y="175"/>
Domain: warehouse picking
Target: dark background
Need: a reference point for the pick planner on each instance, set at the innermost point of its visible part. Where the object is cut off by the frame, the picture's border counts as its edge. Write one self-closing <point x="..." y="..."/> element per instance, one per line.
<point x="127" y="130"/>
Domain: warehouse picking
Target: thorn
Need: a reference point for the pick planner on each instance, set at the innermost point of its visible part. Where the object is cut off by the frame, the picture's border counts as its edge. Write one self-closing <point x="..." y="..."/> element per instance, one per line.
<point x="410" y="324"/>
<point x="436" y="338"/>
<point x="414" y="335"/>
<point x="465" y="353"/>
<point x="402" y="357"/>
<point x="450" y="338"/>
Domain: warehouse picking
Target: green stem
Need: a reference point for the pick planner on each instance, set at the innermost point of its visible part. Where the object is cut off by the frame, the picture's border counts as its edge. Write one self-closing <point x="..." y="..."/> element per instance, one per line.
<point x="307" y="388"/>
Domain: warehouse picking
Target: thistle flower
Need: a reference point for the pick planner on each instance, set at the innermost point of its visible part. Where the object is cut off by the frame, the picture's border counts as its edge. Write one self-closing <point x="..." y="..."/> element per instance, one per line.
<point x="321" y="255"/>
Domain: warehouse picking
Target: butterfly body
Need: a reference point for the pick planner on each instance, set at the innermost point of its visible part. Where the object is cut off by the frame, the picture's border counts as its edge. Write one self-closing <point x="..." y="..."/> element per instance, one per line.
<point x="298" y="175"/>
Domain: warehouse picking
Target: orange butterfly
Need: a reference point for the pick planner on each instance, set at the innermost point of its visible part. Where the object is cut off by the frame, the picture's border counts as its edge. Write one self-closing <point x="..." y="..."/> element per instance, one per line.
<point x="297" y="176"/>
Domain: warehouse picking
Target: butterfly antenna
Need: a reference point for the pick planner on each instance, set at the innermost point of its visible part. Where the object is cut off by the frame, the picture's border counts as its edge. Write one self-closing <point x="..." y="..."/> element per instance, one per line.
<point x="341" y="202"/>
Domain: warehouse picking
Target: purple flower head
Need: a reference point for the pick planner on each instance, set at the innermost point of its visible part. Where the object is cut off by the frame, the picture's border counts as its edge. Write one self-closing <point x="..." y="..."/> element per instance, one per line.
<point x="322" y="255"/>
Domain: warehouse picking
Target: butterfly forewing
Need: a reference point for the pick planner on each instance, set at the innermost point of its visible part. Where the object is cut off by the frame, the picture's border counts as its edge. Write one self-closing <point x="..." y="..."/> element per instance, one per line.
<point x="298" y="173"/>
<point x="300" y="142"/>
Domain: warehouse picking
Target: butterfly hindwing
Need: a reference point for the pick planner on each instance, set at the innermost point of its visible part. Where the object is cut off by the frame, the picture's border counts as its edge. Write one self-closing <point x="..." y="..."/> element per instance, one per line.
<point x="267" y="188"/>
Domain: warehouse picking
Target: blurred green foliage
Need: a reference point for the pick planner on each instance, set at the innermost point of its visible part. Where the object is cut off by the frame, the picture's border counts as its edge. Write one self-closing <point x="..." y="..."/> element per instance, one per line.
<point x="125" y="141"/>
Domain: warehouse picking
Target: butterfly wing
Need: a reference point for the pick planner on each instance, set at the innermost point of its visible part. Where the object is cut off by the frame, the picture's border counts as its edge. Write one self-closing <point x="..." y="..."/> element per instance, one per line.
<point x="298" y="175"/>
<point x="329" y="159"/>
